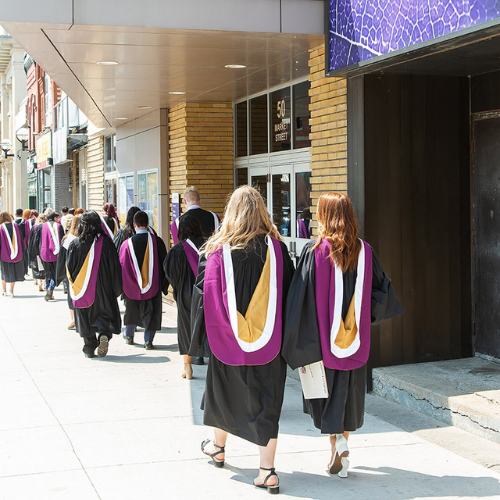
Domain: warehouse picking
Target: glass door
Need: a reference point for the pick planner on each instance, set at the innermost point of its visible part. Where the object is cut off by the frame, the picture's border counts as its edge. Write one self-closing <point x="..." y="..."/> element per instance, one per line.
<point x="258" y="179"/>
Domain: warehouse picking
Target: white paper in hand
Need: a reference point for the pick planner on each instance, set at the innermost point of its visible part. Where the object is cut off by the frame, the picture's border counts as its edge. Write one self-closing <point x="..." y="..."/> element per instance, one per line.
<point x="313" y="380"/>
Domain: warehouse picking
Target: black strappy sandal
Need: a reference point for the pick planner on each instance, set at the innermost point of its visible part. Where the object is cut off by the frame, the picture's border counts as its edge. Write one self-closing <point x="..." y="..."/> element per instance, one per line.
<point x="275" y="488"/>
<point x="217" y="463"/>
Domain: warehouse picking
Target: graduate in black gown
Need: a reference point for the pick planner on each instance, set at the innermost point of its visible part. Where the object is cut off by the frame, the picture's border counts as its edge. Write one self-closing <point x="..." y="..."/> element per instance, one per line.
<point x="141" y="259"/>
<point x="110" y="221"/>
<point x="209" y="221"/>
<point x="34" y="261"/>
<point x="46" y="243"/>
<point x="338" y="291"/>
<point x="28" y="223"/>
<point x="11" y="253"/>
<point x="181" y="270"/>
<point x="95" y="283"/>
<point x="127" y="230"/>
<point x="238" y="302"/>
<point x="61" y="274"/>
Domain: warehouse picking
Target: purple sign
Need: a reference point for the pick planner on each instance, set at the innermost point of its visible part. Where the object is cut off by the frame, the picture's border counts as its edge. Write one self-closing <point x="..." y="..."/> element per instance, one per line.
<point x="362" y="29"/>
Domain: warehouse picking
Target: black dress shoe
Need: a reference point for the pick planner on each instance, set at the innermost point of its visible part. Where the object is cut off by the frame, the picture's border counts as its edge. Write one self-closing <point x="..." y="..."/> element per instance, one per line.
<point x="198" y="361"/>
<point x="129" y="340"/>
<point x="149" y="346"/>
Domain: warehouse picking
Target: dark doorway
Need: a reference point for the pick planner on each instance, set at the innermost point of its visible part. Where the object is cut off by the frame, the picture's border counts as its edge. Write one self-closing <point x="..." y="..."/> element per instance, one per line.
<point x="487" y="236"/>
<point x="417" y="212"/>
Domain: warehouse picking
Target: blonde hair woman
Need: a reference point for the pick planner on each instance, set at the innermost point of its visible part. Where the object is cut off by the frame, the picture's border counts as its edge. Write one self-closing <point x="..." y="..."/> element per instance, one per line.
<point x="72" y="225"/>
<point x="237" y="305"/>
<point x="338" y="291"/>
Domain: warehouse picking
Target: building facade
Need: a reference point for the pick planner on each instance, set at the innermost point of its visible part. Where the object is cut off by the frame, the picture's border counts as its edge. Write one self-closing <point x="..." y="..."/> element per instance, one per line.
<point x="402" y="120"/>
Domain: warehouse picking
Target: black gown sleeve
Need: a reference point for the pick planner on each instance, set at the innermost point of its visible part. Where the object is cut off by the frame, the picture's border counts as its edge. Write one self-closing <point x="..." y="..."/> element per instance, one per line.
<point x="162" y="254"/>
<point x="61" y="265"/>
<point x="34" y="243"/>
<point x="118" y="240"/>
<point x="199" y="333"/>
<point x="114" y="266"/>
<point x="385" y="304"/>
<point x="301" y="340"/>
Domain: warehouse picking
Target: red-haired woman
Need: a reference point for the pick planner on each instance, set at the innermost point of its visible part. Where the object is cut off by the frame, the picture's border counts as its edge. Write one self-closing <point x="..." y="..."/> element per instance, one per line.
<point x="338" y="291"/>
<point x="110" y="222"/>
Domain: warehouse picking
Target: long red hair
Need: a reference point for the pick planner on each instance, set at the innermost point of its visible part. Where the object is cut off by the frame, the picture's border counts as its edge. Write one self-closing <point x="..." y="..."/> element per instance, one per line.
<point x="337" y="223"/>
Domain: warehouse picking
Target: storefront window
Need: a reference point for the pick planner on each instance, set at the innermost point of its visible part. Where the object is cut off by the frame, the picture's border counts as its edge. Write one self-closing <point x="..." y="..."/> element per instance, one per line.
<point x="241" y="177"/>
<point x="125" y="196"/>
<point x="148" y="196"/>
<point x="281" y="112"/>
<point x="301" y="115"/>
<point x="241" y="129"/>
<point x="258" y="125"/>
<point x="281" y="203"/>
<point x="303" y="204"/>
<point x="110" y="191"/>
<point x="110" y="153"/>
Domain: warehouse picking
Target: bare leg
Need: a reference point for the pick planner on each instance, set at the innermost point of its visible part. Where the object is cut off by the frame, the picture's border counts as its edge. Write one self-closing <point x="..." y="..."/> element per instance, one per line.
<point x="72" y="314"/>
<point x="4" y="286"/>
<point x="188" y="369"/>
<point x="12" y="287"/>
<point x="267" y="454"/>
<point x="332" y="442"/>
<point x="220" y="438"/>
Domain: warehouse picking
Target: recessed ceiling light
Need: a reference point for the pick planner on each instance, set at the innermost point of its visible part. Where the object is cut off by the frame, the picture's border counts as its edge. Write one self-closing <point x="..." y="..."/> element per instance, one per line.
<point x="121" y="118"/>
<point x="107" y="63"/>
<point x="143" y="107"/>
<point x="177" y="93"/>
<point x="235" y="66"/>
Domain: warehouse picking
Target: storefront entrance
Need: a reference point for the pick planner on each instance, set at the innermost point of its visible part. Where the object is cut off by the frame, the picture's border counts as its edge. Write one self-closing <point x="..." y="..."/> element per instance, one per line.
<point x="486" y="231"/>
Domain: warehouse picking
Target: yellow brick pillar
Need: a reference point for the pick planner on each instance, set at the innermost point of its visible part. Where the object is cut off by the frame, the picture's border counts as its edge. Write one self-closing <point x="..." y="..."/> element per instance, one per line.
<point x="201" y="152"/>
<point x="328" y="106"/>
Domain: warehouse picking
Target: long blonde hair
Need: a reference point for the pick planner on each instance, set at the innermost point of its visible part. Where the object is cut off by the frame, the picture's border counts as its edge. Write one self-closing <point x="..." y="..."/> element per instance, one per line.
<point x="245" y="217"/>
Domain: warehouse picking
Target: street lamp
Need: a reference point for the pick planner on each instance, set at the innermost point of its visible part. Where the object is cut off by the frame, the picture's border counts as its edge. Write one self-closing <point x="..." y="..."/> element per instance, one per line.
<point x="6" y="146"/>
<point x="22" y="136"/>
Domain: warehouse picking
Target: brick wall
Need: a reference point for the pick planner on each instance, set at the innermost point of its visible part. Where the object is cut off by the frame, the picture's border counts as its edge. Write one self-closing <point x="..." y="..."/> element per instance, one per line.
<point x="201" y="151"/>
<point x="95" y="173"/>
<point x="328" y="129"/>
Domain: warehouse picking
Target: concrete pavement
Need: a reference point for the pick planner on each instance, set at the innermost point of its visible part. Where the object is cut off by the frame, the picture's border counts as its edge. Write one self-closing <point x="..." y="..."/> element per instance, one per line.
<point x="128" y="427"/>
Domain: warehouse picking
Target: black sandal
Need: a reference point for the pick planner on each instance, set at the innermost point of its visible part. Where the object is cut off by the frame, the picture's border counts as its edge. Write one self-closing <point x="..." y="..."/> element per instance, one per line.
<point x="217" y="463"/>
<point x="275" y="488"/>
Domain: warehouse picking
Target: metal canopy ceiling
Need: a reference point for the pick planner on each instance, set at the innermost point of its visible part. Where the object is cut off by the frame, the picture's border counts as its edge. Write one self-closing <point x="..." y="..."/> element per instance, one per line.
<point x="156" y="61"/>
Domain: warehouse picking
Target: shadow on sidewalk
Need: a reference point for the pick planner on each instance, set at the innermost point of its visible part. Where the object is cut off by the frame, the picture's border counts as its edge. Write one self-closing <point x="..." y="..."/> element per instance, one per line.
<point x="136" y="358"/>
<point x="380" y="483"/>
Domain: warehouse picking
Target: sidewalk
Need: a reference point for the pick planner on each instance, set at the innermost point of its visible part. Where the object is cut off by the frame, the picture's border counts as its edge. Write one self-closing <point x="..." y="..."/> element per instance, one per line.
<point x="129" y="427"/>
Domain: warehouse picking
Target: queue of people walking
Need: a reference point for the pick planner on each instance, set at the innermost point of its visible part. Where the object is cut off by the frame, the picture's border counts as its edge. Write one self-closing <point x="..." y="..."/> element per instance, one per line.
<point x="240" y="303"/>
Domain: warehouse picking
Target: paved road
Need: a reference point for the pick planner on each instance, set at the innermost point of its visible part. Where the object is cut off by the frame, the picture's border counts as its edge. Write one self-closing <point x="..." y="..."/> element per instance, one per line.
<point x="128" y="427"/>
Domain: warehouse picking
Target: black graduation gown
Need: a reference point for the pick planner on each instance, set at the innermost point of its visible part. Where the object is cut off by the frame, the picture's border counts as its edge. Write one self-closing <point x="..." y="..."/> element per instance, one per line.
<point x="33" y="245"/>
<point x="120" y="236"/>
<point x="22" y="229"/>
<point x="205" y="217"/>
<point x="103" y="316"/>
<point x="110" y="223"/>
<point x="49" y="267"/>
<point x="13" y="271"/>
<point x="147" y="313"/>
<point x="242" y="400"/>
<point x="180" y="275"/>
<point x="344" y="408"/>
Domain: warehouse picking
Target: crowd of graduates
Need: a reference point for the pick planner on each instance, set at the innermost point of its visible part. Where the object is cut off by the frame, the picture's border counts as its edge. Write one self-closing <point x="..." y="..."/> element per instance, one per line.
<point x="240" y="303"/>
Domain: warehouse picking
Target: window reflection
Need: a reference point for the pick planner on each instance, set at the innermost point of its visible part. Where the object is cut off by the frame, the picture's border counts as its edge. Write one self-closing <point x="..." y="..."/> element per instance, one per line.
<point x="303" y="204"/>
<point x="241" y="177"/>
<point x="281" y="113"/>
<point x="259" y="182"/>
<point x="258" y="134"/>
<point x="301" y="116"/>
<point x="241" y="129"/>
<point x="281" y="203"/>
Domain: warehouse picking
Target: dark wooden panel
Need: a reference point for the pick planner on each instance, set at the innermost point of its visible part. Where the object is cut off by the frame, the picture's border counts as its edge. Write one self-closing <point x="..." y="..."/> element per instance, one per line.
<point x="417" y="212"/>
<point x="484" y="92"/>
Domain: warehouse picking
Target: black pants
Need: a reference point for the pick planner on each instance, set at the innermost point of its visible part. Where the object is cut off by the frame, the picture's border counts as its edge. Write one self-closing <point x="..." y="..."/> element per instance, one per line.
<point x="90" y="344"/>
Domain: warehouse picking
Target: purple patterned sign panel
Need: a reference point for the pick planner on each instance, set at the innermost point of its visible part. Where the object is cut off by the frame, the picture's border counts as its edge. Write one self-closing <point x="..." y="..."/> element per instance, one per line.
<point x="363" y="29"/>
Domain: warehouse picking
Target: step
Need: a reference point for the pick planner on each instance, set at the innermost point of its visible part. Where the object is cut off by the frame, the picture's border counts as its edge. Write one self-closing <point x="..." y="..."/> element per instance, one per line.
<point x="464" y="392"/>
